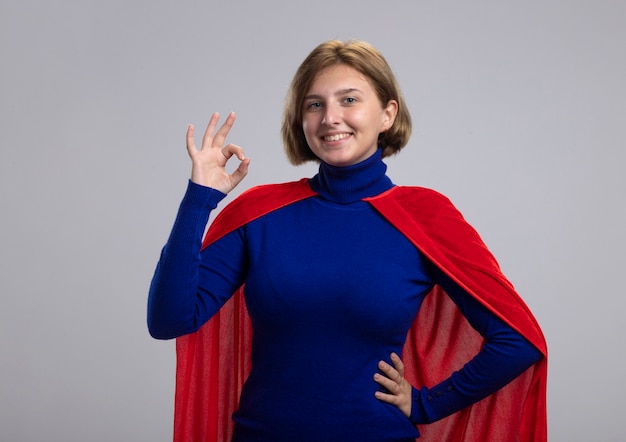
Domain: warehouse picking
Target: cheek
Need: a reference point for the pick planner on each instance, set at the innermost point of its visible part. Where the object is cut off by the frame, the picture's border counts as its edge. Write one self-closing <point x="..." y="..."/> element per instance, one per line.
<point x="363" y="118"/>
<point x="309" y="127"/>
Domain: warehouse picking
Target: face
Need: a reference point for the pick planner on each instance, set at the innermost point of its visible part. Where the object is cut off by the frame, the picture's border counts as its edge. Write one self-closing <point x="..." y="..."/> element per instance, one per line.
<point x="342" y="116"/>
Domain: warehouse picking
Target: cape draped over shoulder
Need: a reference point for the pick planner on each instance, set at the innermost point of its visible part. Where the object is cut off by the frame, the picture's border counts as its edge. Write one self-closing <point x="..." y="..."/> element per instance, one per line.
<point x="213" y="362"/>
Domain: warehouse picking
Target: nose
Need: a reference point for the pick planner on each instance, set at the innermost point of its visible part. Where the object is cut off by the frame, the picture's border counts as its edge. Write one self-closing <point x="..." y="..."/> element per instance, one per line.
<point x="332" y="116"/>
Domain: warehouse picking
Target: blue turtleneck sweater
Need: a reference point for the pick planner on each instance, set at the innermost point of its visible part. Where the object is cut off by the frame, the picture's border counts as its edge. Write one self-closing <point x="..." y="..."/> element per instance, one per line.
<point x="332" y="288"/>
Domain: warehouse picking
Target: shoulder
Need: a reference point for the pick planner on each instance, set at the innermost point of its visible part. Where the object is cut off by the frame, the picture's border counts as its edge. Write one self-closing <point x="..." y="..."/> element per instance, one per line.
<point x="427" y="217"/>
<point x="266" y="198"/>
<point x="417" y="201"/>
<point x="277" y="190"/>
<point x="417" y="193"/>
<point x="256" y="202"/>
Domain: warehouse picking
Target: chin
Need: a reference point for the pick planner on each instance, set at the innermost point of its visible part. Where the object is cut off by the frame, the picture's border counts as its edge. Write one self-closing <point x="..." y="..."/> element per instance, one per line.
<point x="338" y="160"/>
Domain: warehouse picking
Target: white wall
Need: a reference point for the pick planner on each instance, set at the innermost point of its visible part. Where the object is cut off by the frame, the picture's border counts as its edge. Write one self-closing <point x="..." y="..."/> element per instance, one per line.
<point x="519" y="111"/>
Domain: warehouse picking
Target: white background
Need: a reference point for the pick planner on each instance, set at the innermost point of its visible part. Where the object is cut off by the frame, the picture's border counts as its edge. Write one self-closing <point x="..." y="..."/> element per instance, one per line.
<point x="519" y="114"/>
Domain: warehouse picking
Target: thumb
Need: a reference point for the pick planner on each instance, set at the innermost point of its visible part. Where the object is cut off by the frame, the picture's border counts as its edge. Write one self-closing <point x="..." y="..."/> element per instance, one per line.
<point x="240" y="173"/>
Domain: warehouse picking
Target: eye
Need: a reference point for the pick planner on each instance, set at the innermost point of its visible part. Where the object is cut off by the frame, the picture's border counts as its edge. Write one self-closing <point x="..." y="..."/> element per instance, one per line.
<point x="313" y="105"/>
<point x="349" y="100"/>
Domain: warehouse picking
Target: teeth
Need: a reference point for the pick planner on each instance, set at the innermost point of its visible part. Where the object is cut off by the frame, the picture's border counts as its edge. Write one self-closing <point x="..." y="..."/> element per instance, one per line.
<point x="335" y="137"/>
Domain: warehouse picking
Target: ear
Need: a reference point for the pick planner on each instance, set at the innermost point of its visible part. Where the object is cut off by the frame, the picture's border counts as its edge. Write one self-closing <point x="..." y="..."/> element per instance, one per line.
<point x="389" y="115"/>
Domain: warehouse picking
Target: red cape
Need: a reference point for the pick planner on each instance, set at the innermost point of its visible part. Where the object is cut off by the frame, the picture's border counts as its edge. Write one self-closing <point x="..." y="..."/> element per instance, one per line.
<point x="213" y="363"/>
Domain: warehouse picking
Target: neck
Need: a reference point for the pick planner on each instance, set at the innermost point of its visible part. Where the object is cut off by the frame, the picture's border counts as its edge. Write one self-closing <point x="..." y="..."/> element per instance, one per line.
<point x="345" y="185"/>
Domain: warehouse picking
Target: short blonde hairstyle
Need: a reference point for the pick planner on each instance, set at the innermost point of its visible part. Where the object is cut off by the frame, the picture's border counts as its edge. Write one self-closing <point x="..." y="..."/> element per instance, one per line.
<point x="368" y="61"/>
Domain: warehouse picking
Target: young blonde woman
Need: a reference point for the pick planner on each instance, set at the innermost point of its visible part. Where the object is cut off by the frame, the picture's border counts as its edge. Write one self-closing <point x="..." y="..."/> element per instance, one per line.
<point x="341" y="307"/>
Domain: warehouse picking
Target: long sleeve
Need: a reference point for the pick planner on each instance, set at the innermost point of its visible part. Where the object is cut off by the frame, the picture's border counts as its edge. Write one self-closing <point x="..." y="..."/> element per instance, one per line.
<point x="189" y="284"/>
<point x="504" y="356"/>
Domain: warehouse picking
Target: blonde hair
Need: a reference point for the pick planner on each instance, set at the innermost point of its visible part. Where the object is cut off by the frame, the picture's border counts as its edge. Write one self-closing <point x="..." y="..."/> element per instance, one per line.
<point x="368" y="61"/>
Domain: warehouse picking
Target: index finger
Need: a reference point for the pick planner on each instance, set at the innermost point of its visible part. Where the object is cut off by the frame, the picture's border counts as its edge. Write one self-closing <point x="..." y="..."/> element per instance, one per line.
<point x="397" y="363"/>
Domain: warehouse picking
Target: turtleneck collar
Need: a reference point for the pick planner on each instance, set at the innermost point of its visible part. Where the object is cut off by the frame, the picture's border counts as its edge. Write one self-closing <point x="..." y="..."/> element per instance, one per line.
<point x="349" y="184"/>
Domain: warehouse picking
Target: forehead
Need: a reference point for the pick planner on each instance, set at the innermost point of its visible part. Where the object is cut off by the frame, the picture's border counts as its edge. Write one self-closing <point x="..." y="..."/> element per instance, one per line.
<point x="339" y="77"/>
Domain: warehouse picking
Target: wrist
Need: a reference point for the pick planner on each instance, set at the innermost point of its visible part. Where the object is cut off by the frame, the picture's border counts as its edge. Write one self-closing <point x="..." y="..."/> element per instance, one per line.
<point x="201" y="195"/>
<point x="418" y="413"/>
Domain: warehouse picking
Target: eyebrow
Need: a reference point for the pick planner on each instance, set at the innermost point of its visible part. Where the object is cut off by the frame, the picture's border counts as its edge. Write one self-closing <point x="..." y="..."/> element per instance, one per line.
<point x="338" y="93"/>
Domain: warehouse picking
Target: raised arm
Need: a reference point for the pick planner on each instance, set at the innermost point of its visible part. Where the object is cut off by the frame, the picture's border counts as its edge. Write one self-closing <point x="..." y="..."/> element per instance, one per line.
<point x="189" y="285"/>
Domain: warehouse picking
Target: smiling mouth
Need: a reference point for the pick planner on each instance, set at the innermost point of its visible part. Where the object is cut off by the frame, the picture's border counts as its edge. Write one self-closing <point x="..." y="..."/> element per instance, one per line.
<point x="336" y="137"/>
